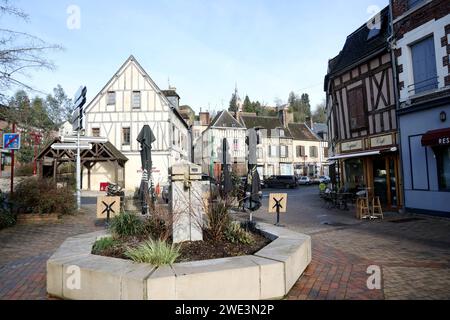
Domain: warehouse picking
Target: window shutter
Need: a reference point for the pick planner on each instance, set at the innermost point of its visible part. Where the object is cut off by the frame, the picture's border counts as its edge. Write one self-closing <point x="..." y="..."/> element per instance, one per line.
<point x="424" y="65"/>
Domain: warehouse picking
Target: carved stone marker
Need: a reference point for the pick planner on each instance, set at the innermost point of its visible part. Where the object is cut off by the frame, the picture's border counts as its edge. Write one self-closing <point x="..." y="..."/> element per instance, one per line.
<point x="187" y="202"/>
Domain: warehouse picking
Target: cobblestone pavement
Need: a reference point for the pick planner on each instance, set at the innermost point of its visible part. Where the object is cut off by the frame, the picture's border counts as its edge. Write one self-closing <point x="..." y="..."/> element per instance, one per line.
<point x="24" y="251"/>
<point x="413" y="256"/>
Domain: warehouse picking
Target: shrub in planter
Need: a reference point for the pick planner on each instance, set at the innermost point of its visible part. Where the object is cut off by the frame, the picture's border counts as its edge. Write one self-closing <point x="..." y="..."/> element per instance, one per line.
<point x="42" y="196"/>
<point x="155" y="252"/>
<point x="218" y="219"/>
<point x="105" y="246"/>
<point x="127" y="225"/>
<point x="236" y="234"/>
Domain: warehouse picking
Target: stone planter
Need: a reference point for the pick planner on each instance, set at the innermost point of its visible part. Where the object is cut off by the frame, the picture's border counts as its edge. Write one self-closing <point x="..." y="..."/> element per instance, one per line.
<point x="74" y="273"/>
<point x="37" y="218"/>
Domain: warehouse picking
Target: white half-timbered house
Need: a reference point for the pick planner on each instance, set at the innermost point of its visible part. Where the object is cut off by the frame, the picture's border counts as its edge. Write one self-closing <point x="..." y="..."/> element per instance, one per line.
<point x="128" y="101"/>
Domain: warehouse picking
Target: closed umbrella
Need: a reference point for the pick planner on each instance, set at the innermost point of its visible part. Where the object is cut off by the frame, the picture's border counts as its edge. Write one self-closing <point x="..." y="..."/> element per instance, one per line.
<point x="146" y="138"/>
<point x="227" y="184"/>
<point x="253" y="186"/>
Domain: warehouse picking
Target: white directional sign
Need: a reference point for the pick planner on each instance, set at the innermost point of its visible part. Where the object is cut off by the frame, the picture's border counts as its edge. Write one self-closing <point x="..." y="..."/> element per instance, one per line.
<point x="70" y="146"/>
<point x="85" y="139"/>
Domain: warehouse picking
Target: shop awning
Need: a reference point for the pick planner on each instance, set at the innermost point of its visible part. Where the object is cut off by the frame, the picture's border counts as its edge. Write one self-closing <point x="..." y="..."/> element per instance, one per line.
<point x="354" y="155"/>
<point x="436" y="138"/>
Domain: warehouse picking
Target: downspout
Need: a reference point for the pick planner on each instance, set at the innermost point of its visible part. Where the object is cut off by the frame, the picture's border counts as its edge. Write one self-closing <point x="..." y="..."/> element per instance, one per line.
<point x="391" y="44"/>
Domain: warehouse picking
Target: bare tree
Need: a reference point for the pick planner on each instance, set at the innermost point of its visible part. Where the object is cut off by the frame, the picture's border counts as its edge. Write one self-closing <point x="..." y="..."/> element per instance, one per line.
<point x="20" y="52"/>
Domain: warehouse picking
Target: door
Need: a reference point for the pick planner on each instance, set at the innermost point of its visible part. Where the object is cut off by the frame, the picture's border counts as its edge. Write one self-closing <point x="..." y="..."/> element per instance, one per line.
<point x="385" y="181"/>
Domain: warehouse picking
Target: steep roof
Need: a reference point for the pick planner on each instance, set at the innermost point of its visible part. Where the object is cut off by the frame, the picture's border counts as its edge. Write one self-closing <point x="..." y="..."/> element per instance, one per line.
<point x="225" y="120"/>
<point x="268" y="123"/>
<point x="359" y="47"/>
<point x="132" y="59"/>
<point x="301" y="132"/>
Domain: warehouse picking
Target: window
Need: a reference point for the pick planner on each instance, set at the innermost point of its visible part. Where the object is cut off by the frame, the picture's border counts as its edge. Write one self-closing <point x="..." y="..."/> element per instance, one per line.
<point x="284" y="152"/>
<point x="259" y="152"/>
<point x="281" y="133"/>
<point x="300" y="151"/>
<point x="424" y="65"/>
<point x="111" y="98"/>
<point x="96" y="132"/>
<point x="126" y="136"/>
<point x="313" y="152"/>
<point x="413" y="3"/>
<point x="443" y="166"/>
<point x="136" y="99"/>
<point x="326" y="152"/>
<point x="356" y="108"/>
<point x="236" y="145"/>
<point x="272" y="151"/>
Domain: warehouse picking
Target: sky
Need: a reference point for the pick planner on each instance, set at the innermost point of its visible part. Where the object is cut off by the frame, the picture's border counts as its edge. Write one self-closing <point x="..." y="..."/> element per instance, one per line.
<point x="202" y="47"/>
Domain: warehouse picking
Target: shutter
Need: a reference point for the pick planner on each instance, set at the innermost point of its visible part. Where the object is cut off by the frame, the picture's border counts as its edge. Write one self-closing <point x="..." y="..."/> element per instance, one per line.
<point x="424" y="65"/>
<point x="356" y="108"/>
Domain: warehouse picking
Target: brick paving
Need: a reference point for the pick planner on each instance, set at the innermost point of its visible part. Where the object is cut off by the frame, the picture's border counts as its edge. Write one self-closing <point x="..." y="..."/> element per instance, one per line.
<point x="24" y="251"/>
<point x="414" y="257"/>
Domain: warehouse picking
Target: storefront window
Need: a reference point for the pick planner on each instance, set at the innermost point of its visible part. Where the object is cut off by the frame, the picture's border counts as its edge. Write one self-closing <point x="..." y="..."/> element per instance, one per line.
<point x="354" y="174"/>
<point x="443" y="164"/>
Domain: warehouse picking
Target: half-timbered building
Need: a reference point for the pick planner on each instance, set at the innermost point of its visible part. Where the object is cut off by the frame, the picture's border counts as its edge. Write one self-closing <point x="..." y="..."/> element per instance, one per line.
<point x="361" y="111"/>
<point x="128" y="101"/>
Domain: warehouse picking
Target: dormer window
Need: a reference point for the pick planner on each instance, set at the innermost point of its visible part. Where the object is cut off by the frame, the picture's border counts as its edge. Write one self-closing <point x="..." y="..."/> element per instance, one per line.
<point x="281" y="133"/>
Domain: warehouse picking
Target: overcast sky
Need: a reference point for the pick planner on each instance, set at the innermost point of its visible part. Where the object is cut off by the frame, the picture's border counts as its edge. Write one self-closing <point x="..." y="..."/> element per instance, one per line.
<point x="204" y="47"/>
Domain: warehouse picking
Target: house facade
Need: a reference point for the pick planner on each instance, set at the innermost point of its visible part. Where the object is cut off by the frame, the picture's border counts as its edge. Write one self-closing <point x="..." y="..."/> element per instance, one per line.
<point x="130" y="100"/>
<point x="274" y="154"/>
<point x="422" y="47"/>
<point x="224" y="125"/>
<point x="307" y="151"/>
<point x="361" y="111"/>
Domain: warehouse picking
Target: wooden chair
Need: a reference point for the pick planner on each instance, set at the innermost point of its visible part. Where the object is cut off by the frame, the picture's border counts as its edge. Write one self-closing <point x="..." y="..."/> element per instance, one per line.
<point x="362" y="208"/>
<point x="377" y="211"/>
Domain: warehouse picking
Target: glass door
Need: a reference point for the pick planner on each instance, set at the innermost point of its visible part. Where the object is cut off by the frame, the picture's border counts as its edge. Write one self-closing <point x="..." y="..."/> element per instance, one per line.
<point x="380" y="180"/>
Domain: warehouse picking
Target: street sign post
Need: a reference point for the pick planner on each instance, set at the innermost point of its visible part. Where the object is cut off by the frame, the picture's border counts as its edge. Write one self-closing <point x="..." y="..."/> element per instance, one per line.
<point x="278" y="204"/>
<point x="11" y="141"/>
<point x="77" y="123"/>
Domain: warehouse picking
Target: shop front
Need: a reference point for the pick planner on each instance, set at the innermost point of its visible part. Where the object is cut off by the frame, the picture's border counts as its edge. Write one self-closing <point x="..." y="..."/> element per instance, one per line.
<point x="375" y="170"/>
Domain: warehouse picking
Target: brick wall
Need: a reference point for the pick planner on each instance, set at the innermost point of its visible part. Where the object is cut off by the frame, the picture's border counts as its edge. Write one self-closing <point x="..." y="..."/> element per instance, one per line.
<point x="434" y="10"/>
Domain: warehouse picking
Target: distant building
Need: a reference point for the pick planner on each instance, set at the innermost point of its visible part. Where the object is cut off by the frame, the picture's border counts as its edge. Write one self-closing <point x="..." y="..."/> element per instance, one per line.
<point x="224" y="125"/>
<point x="275" y="155"/>
<point x="66" y="129"/>
<point x="200" y="126"/>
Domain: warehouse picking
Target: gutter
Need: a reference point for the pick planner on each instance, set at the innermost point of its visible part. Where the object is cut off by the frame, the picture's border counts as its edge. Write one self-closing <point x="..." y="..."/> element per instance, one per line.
<point x="391" y="45"/>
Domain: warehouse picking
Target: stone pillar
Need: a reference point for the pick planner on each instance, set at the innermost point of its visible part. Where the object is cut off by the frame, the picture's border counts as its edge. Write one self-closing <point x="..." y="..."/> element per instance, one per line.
<point x="188" y="202"/>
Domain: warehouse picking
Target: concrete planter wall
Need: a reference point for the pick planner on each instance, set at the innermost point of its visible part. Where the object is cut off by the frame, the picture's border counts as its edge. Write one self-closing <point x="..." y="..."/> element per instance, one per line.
<point x="74" y="273"/>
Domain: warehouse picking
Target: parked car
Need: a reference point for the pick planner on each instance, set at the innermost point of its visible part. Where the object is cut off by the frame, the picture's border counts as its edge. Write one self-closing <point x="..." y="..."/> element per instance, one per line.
<point x="281" y="182"/>
<point x="304" y="181"/>
<point x="324" y="179"/>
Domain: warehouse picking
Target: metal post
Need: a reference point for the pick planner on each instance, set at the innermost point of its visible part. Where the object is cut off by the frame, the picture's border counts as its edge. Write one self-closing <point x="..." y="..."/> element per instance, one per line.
<point x="12" y="164"/>
<point x="278" y="215"/>
<point x="78" y="172"/>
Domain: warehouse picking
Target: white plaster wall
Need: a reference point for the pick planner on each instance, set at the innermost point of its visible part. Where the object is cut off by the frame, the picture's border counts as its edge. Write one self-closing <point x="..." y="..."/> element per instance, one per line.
<point x="435" y="27"/>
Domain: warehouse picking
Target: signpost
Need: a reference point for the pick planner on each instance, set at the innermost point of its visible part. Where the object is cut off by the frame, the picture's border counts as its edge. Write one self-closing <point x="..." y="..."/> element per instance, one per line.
<point x="278" y="204"/>
<point x="108" y="207"/>
<point x="11" y="141"/>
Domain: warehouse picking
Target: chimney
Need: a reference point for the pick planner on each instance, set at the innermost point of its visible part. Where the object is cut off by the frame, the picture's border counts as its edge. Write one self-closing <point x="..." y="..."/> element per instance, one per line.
<point x="285" y="117"/>
<point x="205" y="119"/>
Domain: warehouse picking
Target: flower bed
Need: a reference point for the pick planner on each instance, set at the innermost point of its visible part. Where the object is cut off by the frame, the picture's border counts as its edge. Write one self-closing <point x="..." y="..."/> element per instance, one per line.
<point x="73" y="272"/>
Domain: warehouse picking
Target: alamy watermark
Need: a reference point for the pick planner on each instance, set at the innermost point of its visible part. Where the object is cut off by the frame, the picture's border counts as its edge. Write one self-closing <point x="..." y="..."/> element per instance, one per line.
<point x="374" y="280"/>
<point x="73" y="281"/>
<point x="73" y="21"/>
